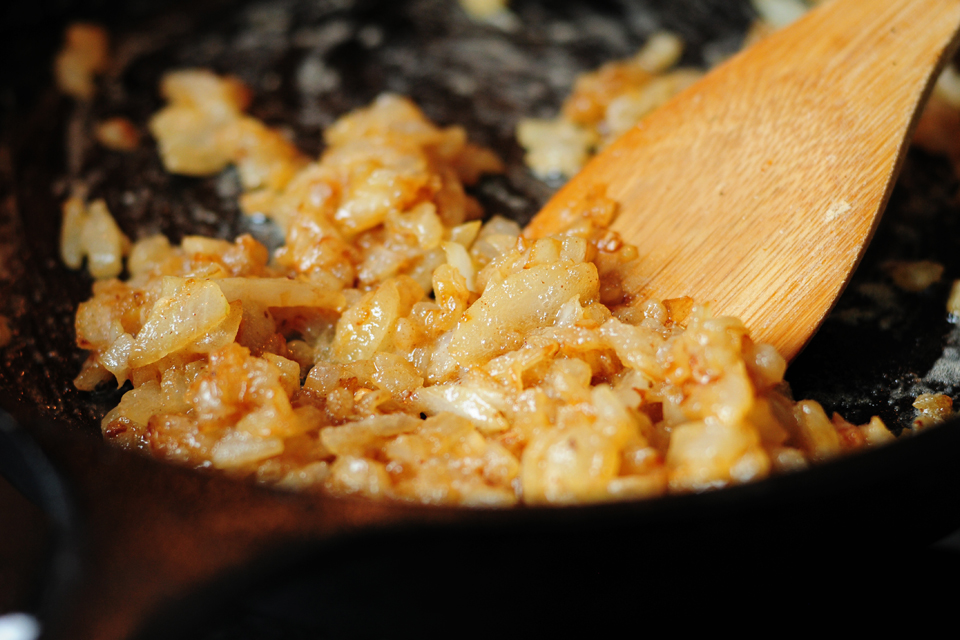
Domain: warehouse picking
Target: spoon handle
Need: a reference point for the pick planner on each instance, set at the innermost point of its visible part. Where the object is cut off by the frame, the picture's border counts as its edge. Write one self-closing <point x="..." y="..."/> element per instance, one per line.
<point x="758" y="188"/>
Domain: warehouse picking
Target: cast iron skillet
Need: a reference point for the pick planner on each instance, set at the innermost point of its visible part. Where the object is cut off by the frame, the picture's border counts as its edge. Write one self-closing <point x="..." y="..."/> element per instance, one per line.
<point x="163" y="550"/>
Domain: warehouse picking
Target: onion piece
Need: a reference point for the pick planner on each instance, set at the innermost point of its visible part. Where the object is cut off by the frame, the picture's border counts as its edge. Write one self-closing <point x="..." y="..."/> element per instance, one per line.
<point x="280" y="292"/>
<point x="194" y="309"/>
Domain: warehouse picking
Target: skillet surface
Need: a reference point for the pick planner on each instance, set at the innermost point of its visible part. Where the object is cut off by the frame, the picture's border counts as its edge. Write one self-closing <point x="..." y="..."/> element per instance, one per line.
<point x="308" y="62"/>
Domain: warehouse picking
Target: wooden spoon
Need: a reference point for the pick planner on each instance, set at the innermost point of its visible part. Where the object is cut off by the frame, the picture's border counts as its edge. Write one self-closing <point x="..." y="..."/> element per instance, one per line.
<point x="758" y="188"/>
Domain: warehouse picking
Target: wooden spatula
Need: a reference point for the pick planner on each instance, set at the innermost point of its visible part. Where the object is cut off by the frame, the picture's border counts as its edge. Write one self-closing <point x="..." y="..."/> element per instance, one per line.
<point x="758" y="188"/>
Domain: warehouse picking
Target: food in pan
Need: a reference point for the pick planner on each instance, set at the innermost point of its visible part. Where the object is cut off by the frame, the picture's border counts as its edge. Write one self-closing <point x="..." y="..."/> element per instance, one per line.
<point x="605" y="104"/>
<point x="118" y="134"/>
<point x="396" y="346"/>
<point x="483" y="9"/>
<point x="89" y="233"/>
<point x="932" y="408"/>
<point x="85" y="54"/>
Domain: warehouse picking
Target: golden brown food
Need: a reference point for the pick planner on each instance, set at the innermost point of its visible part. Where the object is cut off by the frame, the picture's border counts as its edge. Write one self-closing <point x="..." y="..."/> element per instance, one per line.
<point x="483" y="9"/>
<point x="398" y="347"/>
<point x="604" y="104"/>
<point x="118" y="134"/>
<point x="90" y="232"/>
<point x="84" y="55"/>
<point x="932" y="408"/>
<point x="913" y="275"/>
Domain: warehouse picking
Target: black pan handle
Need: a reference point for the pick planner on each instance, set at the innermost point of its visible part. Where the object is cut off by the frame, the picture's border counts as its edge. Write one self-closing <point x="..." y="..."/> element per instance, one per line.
<point x="24" y="465"/>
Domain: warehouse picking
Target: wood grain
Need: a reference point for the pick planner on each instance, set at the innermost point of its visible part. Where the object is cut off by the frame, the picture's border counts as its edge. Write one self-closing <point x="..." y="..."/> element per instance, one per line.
<point x="758" y="188"/>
